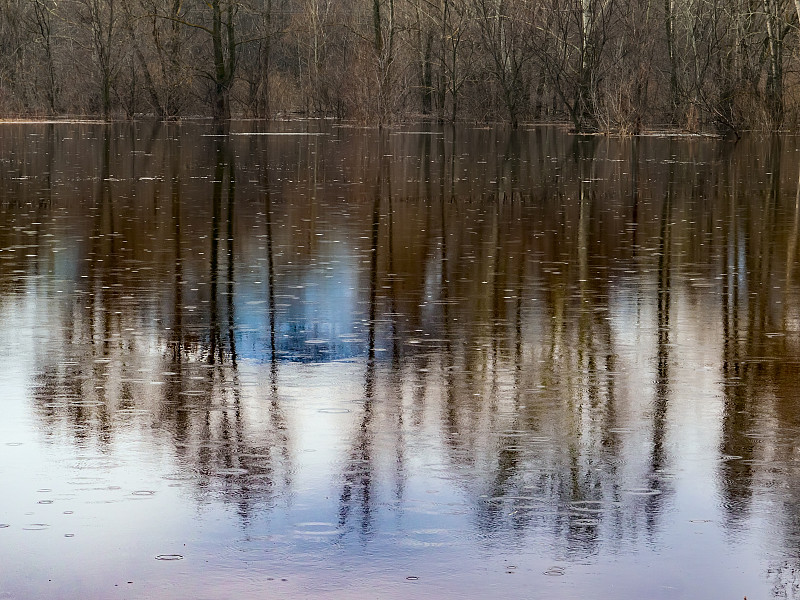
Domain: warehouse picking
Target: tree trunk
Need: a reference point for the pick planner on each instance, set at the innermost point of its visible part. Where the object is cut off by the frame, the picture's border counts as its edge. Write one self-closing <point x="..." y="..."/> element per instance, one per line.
<point x="427" y="75"/>
<point x="774" y="89"/>
<point x="673" y="65"/>
<point x="224" y="62"/>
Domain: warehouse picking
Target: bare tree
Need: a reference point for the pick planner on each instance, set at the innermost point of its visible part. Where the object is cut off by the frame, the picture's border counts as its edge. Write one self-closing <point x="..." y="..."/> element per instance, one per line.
<point x="612" y="65"/>
<point x="424" y="30"/>
<point x="775" y="20"/>
<point x="457" y="50"/>
<point x="218" y="19"/>
<point x="384" y="24"/>
<point x="100" y="19"/>
<point x="158" y="41"/>
<point x="15" y="92"/>
<point x="313" y="26"/>
<point x="571" y="49"/>
<point x="264" y="23"/>
<point x="42" y="21"/>
<point x="624" y="98"/>
<point x="506" y="39"/>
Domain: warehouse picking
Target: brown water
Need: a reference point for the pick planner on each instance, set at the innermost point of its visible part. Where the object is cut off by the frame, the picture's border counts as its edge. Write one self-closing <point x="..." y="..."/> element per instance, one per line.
<point x="417" y="364"/>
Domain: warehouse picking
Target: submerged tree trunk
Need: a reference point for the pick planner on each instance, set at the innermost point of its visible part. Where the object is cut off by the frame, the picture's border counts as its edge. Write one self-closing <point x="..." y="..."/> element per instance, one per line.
<point x="265" y="56"/>
<point x="669" y="26"/>
<point x="774" y="87"/>
<point x="384" y="31"/>
<point x="584" y="102"/>
<point x="223" y="39"/>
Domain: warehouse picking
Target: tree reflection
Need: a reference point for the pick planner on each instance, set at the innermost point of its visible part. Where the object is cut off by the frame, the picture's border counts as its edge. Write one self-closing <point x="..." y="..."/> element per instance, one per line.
<point x="737" y="449"/>
<point x="358" y="475"/>
<point x="531" y="338"/>
<point x="658" y="457"/>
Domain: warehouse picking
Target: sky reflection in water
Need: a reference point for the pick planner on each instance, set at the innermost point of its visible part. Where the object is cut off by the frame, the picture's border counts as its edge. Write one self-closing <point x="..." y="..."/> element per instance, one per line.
<point x="412" y="364"/>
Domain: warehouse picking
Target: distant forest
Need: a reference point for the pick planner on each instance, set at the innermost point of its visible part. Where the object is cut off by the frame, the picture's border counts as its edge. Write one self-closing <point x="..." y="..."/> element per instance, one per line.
<point x="602" y="65"/>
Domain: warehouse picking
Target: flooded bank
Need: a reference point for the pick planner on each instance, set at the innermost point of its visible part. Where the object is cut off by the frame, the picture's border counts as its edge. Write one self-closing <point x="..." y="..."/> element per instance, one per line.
<point x="323" y="361"/>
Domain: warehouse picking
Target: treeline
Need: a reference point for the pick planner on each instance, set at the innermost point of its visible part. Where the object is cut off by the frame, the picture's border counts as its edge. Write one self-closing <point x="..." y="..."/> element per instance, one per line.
<point x="607" y="65"/>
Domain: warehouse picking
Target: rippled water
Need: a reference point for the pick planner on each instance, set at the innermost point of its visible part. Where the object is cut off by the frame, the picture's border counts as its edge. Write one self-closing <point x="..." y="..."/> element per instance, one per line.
<point x="425" y="363"/>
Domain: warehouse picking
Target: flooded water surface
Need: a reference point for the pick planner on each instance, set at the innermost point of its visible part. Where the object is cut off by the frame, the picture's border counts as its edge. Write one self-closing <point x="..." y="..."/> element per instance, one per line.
<point x="307" y="360"/>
